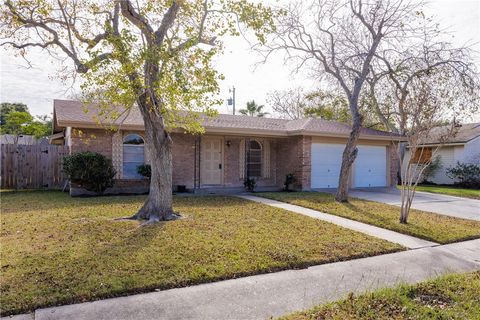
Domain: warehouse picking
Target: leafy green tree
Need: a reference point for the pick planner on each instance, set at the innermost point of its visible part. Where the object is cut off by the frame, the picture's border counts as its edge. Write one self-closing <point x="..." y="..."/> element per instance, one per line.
<point x="329" y="106"/>
<point x="155" y="54"/>
<point x="253" y="110"/>
<point x="7" y="107"/>
<point x="22" y="122"/>
<point x="16" y="122"/>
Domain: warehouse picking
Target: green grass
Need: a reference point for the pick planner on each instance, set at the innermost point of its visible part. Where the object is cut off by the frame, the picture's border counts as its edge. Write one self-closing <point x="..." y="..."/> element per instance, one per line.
<point x="59" y="250"/>
<point x="454" y="296"/>
<point x="451" y="191"/>
<point x="429" y="226"/>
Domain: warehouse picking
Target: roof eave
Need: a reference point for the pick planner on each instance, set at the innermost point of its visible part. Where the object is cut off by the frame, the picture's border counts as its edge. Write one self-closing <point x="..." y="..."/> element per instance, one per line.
<point x="339" y="135"/>
<point x="226" y="130"/>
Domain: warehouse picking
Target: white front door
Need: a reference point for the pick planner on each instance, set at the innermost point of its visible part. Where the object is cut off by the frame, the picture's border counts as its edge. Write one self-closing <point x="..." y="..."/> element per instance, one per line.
<point x="371" y="167"/>
<point x="326" y="163"/>
<point x="211" y="161"/>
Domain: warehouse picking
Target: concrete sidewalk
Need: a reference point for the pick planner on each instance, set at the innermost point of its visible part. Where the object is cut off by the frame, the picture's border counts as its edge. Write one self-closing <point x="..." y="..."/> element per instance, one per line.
<point x="392" y="236"/>
<point x="276" y="294"/>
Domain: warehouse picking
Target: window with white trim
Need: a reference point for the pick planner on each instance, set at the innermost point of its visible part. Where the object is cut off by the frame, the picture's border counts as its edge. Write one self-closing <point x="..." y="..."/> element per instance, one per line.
<point x="133" y="156"/>
<point x="254" y="159"/>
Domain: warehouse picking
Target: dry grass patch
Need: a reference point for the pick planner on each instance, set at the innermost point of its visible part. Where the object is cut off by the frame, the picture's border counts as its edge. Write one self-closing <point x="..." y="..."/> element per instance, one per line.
<point x="449" y="297"/>
<point x="425" y="225"/>
<point x="60" y="250"/>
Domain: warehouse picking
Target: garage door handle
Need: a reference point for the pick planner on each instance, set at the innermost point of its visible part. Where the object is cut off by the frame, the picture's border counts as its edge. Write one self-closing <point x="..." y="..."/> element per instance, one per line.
<point x="220" y="166"/>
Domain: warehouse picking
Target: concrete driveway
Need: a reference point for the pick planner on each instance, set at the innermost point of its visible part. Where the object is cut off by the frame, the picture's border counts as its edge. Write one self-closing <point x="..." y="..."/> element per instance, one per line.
<point x="442" y="204"/>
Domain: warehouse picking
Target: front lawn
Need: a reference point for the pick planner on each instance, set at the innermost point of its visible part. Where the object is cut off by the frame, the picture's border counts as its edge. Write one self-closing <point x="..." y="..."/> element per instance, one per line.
<point x="451" y="191"/>
<point x="455" y="296"/>
<point x="59" y="250"/>
<point x="425" y="225"/>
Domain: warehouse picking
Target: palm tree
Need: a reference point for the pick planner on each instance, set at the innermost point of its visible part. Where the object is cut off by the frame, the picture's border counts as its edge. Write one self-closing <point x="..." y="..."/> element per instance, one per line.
<point x="253" y="110"/>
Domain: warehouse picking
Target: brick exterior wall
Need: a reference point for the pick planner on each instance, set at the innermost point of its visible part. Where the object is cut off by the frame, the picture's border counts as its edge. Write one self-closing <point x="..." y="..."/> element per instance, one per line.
<point x="183" y="160"/>
<point x="305" y="159"/>
<point x="287" y="155"/>
<point x="95" y="140"/>
<point x="394" y="164"/>
<point x="294" y="156"/>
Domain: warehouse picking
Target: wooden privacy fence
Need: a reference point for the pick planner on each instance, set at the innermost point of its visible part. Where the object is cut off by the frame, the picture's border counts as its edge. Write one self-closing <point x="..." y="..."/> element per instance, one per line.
<point x="32" y="166"/>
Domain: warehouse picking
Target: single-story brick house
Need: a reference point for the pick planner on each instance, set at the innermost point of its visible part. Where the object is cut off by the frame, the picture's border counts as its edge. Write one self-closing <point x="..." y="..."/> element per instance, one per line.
<point x="463" y="146"/>
<point x="232" y="148"/>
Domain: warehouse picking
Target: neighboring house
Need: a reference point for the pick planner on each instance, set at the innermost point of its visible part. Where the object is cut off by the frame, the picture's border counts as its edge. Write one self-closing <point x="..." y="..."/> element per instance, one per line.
<point x="232" y="148"/>
<point x="463" y="146"/>
<point x="22" y="139"/>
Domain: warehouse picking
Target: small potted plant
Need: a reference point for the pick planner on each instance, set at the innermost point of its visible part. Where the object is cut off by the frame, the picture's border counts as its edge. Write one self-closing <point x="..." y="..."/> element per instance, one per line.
<point x="289" y="180"/>
<point x="249" y="184"/>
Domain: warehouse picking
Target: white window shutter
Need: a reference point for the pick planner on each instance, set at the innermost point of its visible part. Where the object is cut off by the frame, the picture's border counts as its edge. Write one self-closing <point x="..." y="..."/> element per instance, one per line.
<point x="241" y="159"/>
<point x="266" y="159"/>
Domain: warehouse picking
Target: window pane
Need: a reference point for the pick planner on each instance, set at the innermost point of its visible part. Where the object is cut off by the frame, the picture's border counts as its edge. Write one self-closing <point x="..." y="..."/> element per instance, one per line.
<point x="255" y="145"/>
<point x="133" y="153"/>
<point x="254" y="170"/>
<point x="134" y="139"/>
<point x="254" y="159"/>
<point x="133" y="156"/>
<point x="255" y="156"/>
<point x="130" y="170"/>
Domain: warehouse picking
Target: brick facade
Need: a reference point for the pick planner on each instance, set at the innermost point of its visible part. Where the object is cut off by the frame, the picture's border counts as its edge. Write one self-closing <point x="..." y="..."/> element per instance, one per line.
<point x="393" y="164"/>
<point x="183" y="160"/>
<point x="95" y="140"/>
<point x="294" y="154"/>
<point x="285" y="155"/>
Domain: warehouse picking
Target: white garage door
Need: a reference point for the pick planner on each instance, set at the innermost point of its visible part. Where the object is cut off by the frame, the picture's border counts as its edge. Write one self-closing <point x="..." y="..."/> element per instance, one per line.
<point x="371" y="167"/>
<point x="326" y="162"/>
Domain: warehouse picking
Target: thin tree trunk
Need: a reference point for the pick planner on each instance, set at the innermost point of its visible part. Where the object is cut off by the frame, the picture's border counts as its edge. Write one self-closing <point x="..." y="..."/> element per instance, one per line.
<point x="349" y="155"/>
<point x="158" y="205"/>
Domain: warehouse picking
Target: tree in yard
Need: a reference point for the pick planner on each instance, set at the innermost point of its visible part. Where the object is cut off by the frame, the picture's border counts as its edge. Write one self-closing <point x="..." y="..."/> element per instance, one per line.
<point x="337" y="41"/>
<point x="7" y="107"/>
<point x="295" y="104"/>
<point x="417" y="91"/>
<point x="17" y="123"/>
<point x="328" y="105"/>
<point x="156" y="55"/>
<point x="288" y="104"/>
<point x="253" y="110"/>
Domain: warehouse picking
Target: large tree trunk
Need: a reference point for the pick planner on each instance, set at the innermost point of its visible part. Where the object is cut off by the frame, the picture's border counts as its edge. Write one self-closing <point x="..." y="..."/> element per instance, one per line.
<point x="349" y="155"/>
<point x="158" y="205"/>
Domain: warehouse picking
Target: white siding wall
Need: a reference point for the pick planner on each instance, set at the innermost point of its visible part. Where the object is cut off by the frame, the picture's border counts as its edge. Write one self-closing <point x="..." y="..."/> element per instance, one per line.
<point x="472" y="151"/>
<point x="449" y="155"/>
<point x="448" y="158"/>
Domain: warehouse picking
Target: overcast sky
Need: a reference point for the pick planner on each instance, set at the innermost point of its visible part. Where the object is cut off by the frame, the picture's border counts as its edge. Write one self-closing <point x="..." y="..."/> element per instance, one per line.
<point x="37" y="87"/>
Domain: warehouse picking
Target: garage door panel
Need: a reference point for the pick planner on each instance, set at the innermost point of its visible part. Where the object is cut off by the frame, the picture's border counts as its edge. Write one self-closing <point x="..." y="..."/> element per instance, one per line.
<point x="326" y="161"/>
<point x="371" y="167"/>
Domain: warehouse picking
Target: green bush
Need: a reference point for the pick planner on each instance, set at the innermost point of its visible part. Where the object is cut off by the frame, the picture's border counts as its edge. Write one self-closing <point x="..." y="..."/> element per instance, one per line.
<point x="431" y="169"/>
<point x="145" y="170"/>
<point x="468" y="174"/>
<point x="89" y="170"/>
<point x="249" y="184"/>
<point x="289" y="180"/>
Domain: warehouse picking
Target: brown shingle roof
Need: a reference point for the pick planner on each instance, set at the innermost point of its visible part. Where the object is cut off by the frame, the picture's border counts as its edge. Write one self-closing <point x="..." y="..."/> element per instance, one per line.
<point x="461" y="134"/>
<point x="73" y="113"/>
